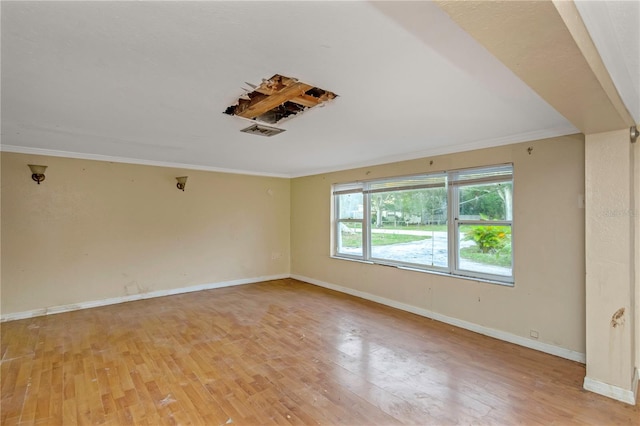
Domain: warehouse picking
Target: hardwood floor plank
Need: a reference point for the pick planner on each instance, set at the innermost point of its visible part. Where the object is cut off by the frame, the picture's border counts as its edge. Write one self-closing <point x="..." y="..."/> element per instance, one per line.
<point x="285" y="353"/>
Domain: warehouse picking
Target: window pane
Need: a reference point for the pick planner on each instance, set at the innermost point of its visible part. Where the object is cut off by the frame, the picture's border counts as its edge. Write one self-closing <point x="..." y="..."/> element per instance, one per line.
<point x="504" y="171"/>
<point x="411" y="182"/>
<point x="410" y="226"/>
<point x="350" y="206"/>
<point x="485" y="249"/>
<point x="492" y="201"/>
<point x="350" y="238"/>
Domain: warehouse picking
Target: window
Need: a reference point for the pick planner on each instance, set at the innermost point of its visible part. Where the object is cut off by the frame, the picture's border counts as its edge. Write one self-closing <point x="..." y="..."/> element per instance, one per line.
<point x="349" y="219"/>
<point x="482" y="218"/>
<point x="458" y="222"/>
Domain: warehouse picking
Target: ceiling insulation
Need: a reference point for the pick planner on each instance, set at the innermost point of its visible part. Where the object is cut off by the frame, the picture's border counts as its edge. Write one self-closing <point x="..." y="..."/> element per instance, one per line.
<point x="278" y="98"/>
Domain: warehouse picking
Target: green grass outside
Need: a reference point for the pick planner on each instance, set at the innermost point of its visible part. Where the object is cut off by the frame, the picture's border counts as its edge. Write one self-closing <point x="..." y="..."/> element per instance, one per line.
<point x="474" y="254"/>
<point x="355" y="240"/>
<point x="470" y="253"/>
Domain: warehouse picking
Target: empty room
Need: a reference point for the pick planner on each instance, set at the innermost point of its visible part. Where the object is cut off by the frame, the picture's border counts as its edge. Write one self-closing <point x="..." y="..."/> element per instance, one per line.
<point x="319" y="212"/>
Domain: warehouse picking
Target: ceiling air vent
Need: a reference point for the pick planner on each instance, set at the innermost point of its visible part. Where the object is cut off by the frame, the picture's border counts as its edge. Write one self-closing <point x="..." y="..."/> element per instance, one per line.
<point x="262" y="130"/>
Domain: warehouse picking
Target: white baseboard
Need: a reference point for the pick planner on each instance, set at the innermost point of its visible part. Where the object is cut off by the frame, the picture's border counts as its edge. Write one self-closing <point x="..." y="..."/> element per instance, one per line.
<point x="114" y="300"/>
<point x="611" y="391"/>
<point x="498" y="334"/>
<point x="615" y="392"/>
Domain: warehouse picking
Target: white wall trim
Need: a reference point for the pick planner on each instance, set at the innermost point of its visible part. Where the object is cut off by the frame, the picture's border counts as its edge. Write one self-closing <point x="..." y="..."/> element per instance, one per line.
<point x="498" y="334"/>
<point x="446" y="149"/>
<point x="99" y="157"/>
<point x="115" y="300"/>
<point x="442" y="150"/>
<point x="611" y="391"/>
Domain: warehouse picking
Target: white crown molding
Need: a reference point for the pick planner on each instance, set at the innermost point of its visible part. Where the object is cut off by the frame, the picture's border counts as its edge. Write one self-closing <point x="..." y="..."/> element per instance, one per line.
<point x="487" y="143"/>
<point x="443" y="150"/>
<point x="97" y="157"/>
<point x="132" y="297"/>
<point x="498" y="334"/>
<point x="611" y="391"/>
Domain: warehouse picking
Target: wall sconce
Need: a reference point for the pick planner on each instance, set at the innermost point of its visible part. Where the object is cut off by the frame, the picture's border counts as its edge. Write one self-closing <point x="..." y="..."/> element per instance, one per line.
<point x="37" y="172"/>
<point x="182" y="181"/>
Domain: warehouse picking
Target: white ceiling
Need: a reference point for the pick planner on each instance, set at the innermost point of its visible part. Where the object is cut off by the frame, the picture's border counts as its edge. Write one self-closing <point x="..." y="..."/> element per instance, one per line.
<point x="614" y="27"/>
<point x="147" y="83"/>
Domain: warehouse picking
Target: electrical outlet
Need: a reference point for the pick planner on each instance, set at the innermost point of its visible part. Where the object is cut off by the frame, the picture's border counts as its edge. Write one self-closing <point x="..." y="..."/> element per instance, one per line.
<point x="533" y="334"/>
<point x="275" y="255"/>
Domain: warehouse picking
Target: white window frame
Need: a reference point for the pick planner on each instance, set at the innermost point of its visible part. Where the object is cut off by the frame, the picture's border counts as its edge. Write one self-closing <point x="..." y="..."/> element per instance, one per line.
<point x="453" y="181"/>
<point x="353" y="188"/>
<point x="454" y="185"/>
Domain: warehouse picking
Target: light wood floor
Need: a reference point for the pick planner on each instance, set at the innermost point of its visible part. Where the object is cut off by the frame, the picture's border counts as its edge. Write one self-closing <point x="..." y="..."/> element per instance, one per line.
<point x="280" y="352"/>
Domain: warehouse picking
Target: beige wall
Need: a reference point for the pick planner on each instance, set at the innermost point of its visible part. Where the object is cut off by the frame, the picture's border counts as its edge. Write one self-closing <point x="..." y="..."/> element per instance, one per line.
<point x="96" y="230"/>
<point x="610" y="301"/>
<point x="549" y="268"/>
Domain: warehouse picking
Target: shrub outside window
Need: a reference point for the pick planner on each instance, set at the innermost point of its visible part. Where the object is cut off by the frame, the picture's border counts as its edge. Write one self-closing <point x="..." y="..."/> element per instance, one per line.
<point x="457" y="222"/>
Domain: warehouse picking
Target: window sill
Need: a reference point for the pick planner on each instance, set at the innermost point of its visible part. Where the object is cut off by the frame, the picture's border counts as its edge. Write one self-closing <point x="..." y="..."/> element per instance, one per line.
<point x="351" y="259"/>
<point x="428" y="271"/>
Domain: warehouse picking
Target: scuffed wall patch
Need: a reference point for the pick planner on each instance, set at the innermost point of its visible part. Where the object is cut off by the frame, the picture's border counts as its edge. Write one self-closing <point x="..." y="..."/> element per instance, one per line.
<point x="617" y="318"/>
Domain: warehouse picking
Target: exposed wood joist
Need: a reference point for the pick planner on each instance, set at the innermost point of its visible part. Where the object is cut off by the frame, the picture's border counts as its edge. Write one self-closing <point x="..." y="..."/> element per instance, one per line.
<point x="277" y="98"/>
<point x="306" y="100"/>
<point x="274" y="100"/>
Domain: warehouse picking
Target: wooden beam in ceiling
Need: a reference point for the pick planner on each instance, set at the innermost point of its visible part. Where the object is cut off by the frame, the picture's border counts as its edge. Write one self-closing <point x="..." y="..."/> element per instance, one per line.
<point x="306" y="100"/>
<point x="278" y="98"/>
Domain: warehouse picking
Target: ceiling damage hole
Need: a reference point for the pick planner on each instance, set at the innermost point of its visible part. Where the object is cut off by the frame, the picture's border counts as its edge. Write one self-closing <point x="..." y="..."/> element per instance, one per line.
<point x="278" y="98"/>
